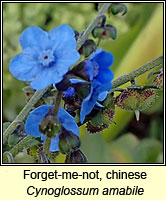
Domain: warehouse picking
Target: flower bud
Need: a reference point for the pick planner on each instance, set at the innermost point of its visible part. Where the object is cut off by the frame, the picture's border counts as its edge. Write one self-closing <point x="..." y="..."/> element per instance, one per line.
<point x="117" y="8"/>
<point x="80" y="70"/>
<point x="98" y="31"/>
<point x="29" y="92"/>
<point x="68" y="141"/>
<point x="88" y="48"/>
<point x="110" y="32"/>
<point x="76" y="157"/>
<point x="105" y="32"/>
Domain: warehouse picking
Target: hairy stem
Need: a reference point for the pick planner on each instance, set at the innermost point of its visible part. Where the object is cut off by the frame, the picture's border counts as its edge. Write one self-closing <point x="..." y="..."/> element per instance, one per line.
<point x="139" y="71"/>
<point x="57" y="102"/>
<point x="103" y="8"/>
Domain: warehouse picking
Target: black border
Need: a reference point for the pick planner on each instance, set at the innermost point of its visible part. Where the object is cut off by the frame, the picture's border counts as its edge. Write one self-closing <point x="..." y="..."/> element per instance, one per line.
<point x="88" y="164"/>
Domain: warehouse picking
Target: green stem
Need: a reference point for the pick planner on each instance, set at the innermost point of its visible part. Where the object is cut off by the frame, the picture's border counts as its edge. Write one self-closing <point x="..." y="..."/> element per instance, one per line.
<point x="56" y="109"/>
<point x="57" y="102"/>
<point x="103" y="8"/>
<point x="139" y="71"/>
<point x="47" y="145"/>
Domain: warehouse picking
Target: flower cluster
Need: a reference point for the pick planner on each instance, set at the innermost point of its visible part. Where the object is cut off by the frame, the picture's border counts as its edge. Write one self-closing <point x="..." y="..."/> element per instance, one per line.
<point x="45" y="60"/>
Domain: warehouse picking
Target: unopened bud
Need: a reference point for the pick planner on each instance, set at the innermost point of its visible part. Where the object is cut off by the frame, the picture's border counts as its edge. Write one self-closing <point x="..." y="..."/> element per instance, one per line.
<point x="106" y="32"/>
<point x="88" y="48"/>
<point x="29" y="92"/>
<point x="76" y="157"/>
<point x="117" y="8"/>
<point x="68" y="141"/>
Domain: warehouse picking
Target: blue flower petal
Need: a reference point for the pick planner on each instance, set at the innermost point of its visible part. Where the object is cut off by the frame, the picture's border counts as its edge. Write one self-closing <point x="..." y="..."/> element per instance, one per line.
<point x="34" y="37"/>
<point x="45" y="78"/>
<point x="67" y="121"/>
<point x="65" y="35"/>
<point x="104" y="59"/>
<point x="105" y="76"/>
<point x="99" y="105"/>
<point x="54" y="146"/>
<point x="98" y="51"/>
<point x="34" y="119"/>
<point x="87" y="105"/>
<point x="74" y="81"/>
<point x="24" y="67"/>
<point x="69" y="92"/>
<point x="102" y="96"/>
<point x="89" y="69"/>
<point x="64" y="62"/>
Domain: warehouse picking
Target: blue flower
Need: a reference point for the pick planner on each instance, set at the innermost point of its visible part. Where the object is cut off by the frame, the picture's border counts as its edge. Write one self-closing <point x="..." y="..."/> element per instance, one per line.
<point x="45" y="57"/>
<point x="97" y="69"/>
<point x="36" y="116"/>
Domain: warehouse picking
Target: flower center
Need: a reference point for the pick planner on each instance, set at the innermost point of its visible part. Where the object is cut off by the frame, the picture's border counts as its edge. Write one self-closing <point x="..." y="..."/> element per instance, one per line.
<point x="46" y="58"/>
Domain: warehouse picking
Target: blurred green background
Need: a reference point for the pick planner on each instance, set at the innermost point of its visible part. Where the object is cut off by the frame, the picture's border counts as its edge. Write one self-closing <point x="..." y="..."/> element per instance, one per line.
<point x="139" y="40"/>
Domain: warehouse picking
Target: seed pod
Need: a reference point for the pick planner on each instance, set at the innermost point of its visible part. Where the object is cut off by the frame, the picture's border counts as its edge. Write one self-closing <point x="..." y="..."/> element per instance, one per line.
<point x="101" y="121"/>
<point x="158" y="81"/>
<point x="136" y="100"/>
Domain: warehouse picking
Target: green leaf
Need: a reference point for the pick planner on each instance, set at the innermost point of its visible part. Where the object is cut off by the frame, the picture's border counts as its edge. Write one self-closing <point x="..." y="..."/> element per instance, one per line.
<point x="147" y="151"/>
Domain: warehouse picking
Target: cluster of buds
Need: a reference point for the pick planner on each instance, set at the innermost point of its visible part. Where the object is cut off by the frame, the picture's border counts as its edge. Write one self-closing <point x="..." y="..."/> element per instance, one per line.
<point x="104" y="31"/>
